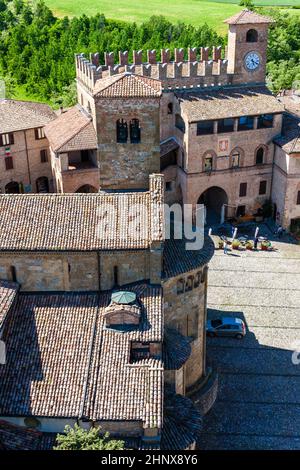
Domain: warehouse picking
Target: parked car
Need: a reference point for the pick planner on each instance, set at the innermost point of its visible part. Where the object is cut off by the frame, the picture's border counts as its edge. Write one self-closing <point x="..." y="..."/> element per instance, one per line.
<point x="226" y="326"/>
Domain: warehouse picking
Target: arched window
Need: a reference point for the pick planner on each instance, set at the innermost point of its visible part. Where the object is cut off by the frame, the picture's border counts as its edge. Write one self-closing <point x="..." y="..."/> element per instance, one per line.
<point x="260" y="156"/>
<point x="135" y="131"/>
<point x="252" y="35"/>
<point x="170" y="108"/>
<point x="180" y="286"/>
<point x="13" y="273"/>
<point x="122" y="131"/>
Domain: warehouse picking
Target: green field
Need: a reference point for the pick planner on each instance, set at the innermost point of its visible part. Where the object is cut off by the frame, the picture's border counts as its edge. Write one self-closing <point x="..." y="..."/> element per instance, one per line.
<point x="195" y="12"/>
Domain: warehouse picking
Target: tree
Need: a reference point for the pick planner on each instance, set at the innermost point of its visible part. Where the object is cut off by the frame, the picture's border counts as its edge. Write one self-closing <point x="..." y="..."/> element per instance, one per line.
<point x="247" y="4"/>
<point x="78" y="438"/>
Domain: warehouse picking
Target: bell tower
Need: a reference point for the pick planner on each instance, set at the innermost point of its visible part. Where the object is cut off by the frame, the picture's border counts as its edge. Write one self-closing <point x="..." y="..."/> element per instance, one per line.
<point x="247" y="46"/>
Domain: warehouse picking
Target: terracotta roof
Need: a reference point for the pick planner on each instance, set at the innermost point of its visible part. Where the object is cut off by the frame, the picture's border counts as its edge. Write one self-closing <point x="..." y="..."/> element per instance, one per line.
<point x="178" y="260"/>
<point x="182" y="422"/>
<point x="228" y="102"/>
<point x="289" y="139"/>
<point x="21" y="115"/>
<point x="72" y="130"/>
<point x="168" y="146"/>
<point x="127" y="85"/>
<point x="176" y="349"/>
<point x="8" y="292"/>
<point x="53" y="222"/>
<point x="249" y="17"/>
<point x="63" y="362"/>
<point x="13" y="437"/>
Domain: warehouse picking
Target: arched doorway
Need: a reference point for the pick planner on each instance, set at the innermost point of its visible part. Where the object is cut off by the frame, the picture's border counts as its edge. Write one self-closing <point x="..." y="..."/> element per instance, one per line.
<point x="42" y="185"/>
<point x="87" y="188"/>
<point x="12" y="188"/>
<point x="213" y="199"/>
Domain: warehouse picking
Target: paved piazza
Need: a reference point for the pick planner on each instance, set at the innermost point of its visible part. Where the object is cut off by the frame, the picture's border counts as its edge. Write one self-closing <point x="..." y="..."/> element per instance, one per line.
<point x="258" y="405"/>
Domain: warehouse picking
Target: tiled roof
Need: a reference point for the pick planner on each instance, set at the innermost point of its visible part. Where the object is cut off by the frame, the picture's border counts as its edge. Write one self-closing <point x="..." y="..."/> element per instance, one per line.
<point x="168" y="146"/>
<point x="53" y="222"/>
<point x="228" y="102"/>
<point x="63" y="362"/>
<point x="14" y="437"/>
<point x="249" y="17"/>
<point x="289" y="140"/>
<point x="182" y="422"/>
<point x="178" y="260"/>
<point x="71" y="130"/>
<point x="8" y="292"/>
<point x="176" y="349"/>
<point x="21" y="115"/>
<point x="127" y="85"/>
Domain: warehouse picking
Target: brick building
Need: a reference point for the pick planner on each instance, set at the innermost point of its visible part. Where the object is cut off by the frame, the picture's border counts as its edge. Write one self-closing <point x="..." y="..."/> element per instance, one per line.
<point x="24" y="149"/>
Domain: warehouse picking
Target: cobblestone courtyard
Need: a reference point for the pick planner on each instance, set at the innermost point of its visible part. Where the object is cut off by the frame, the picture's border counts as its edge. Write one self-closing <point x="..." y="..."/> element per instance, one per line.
<point x="258" y="405"/>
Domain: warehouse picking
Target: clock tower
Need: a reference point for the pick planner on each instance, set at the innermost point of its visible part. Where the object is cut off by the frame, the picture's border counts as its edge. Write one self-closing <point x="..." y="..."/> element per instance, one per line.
<point x="247" y="46"/>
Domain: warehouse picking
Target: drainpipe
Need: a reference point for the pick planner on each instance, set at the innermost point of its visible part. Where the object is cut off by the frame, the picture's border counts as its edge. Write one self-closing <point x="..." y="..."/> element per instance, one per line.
<point x="27" y="157"/>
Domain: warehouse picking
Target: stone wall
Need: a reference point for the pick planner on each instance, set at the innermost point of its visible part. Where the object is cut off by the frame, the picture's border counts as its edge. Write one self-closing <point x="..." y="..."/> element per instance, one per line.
<point x="27" y="163"/>
<point x="128" y="165"/>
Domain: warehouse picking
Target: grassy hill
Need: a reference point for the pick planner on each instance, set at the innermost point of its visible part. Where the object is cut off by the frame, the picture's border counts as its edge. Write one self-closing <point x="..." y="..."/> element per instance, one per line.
<point x="195" y="12"/>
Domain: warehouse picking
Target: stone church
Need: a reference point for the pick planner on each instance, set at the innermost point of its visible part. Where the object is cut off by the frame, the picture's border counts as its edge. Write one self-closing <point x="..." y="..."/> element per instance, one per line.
<point x="102" y="317"/>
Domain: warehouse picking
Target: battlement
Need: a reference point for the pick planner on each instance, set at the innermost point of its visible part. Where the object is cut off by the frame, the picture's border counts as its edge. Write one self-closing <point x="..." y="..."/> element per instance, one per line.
<point x="196" y="67"/>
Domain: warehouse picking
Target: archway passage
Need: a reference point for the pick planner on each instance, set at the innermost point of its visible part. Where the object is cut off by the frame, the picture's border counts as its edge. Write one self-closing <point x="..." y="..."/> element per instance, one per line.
<point x="213" y="199"/>
<point x="12" y="188"/>
<point x="42" y="185"/>
<point x="87" y="188"/>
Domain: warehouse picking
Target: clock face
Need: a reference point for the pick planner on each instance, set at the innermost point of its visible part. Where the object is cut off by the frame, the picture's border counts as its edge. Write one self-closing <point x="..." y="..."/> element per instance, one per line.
<point x="252" y="61"/>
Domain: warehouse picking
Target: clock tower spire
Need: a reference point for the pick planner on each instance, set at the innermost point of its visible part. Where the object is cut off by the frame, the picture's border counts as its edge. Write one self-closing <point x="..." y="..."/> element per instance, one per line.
<point x="247" y="46"/>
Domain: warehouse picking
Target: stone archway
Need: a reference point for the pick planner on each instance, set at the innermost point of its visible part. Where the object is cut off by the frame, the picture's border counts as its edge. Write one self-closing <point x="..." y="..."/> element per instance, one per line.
<point x="12" y="188"/>
<point x="86" y="188"/>
<point x="213" y="198"/>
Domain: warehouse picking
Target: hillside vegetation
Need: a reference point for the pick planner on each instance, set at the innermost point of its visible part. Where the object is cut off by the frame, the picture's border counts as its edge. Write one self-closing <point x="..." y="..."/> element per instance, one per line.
<point x="37" y="49"/>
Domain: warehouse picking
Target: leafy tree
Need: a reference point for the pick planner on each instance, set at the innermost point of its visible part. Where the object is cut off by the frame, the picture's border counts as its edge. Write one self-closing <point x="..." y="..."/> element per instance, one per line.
<point x="78" y="438"/>
<point x="247" y="4"/>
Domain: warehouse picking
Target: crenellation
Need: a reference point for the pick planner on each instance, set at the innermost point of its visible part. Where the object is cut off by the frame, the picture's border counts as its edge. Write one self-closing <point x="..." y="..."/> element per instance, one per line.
<point x="204" y="53"/>
<point x="137" y="57"/>
<point x="177" y="69"/>
<point x="109" y="59"/>
<point x="217" y="52"/>
<point x="95" y="58"/>
<point x="151" y="56"/>
<point x="162" y="71"/>
<point x="123" y="58"/>
<point x="179" y="55"/>
<point x="192" y="54"/>
<point x="165" y="55"/>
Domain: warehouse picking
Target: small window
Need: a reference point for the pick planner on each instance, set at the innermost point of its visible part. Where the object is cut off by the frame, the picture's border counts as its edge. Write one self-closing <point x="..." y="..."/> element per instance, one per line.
<point x="262" y="187"/>
<point x="170" y="108"/>
<point x="260" y="156"/>
<point x="265" y="120"/>
<point x="205" y="127"/>
<point x="235" y="160"/>
<point x="81" y="100"/>
<point x="44" y="155"/>
<point x="246" y="123"/>
<point x="189" y="283"/>
<point x="135" y="131"/>
<point x="168" y="185"/>
<point x="180" y="286"/>
<point x="243" y="189"/>
<point x="39" y="133"/>
<point x="208" y="163"/>
<point x="197" y="279"/>
<point x="241" y="211"/>
<point x="298" y="198"/>
<point x="9" y="163"/>
<point x="225" y="125"/>
<point x="179" y="123"/>
<point x="13" y="273"/>
<point x="89" y="109"/>
<point x="116" y="275"/>
<point x="6" y="139"/>
<point x="251" y="35"/>
<point x="122" y="131"/>
<point x="204" y="275"/>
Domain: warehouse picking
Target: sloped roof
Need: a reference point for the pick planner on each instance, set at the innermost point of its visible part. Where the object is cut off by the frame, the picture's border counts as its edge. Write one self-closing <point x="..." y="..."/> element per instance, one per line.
<point x="228" y="102"/>
<point x="13" y="437"/>
<point x="127" y="85"/>
<point x="71" y="130"/>
<point x="249" y="17"/>
<point x="76" y="222"/>
<point x="20" y="115"/>
<point x="63" y="362"/>
<point x="289" y="139"/>
<point x="8" y="292"/>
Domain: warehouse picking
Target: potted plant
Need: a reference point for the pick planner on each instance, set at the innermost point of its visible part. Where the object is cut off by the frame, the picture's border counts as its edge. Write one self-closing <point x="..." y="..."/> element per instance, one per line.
<point x="235" y="244"/>
<point x="221" y="244"/>
<point x="265" y="245"/>
<point x="249" y="245"/>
